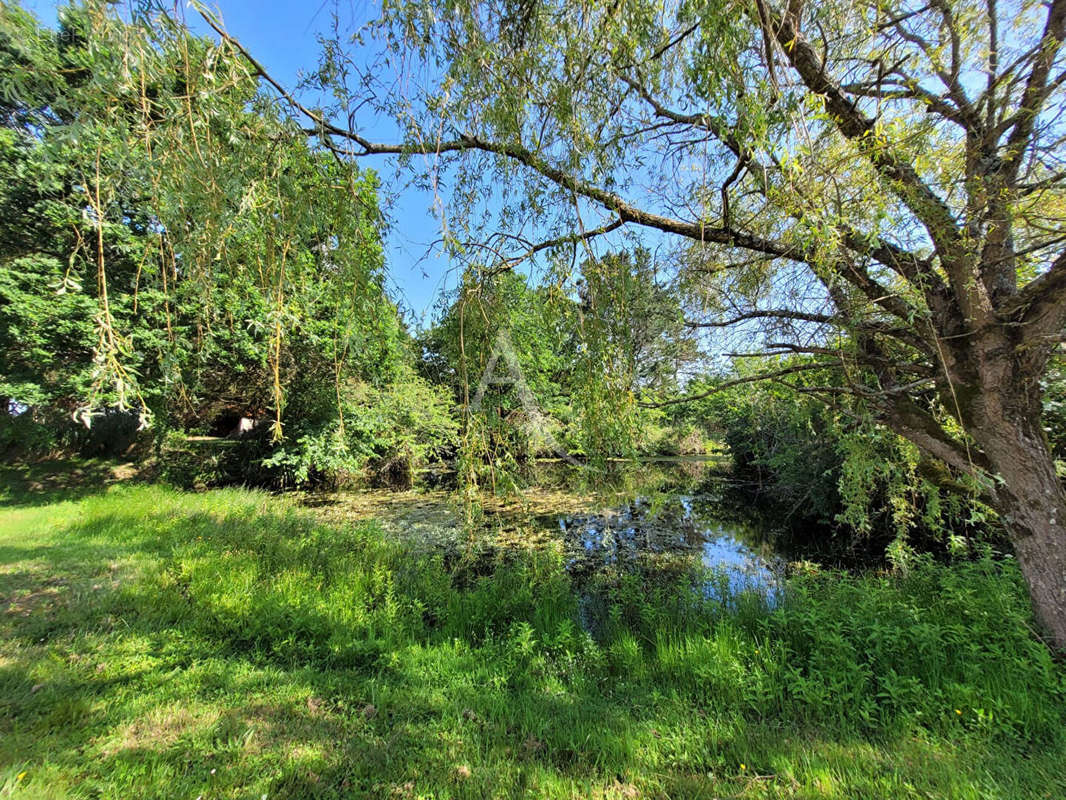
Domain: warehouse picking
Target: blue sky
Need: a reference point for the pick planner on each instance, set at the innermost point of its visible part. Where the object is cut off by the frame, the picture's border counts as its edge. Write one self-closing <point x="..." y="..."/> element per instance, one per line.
<point x="281" y="34"/>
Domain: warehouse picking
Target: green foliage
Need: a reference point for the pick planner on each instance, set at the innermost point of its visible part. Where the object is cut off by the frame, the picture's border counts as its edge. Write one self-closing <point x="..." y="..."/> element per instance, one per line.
<point x="633" y="315"/>
<point x="170" y="243"/>
<point x="818" y="192"/>
<point x="505" y="351"/>
<point x="845" y="488"/>
<point x="1055" y="412"/>
<point x="381" y="435"/>
<point x="456" y="351"/>
<point x="584" y="356"/>
<point x="163" y="643"/>
<point x="633" y="341"/>
<point x="391" y="430"/>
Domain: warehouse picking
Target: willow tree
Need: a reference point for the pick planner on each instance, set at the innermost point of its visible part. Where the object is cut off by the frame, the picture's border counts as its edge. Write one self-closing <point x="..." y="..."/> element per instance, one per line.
<point x="171" y="242"/>
<point x="886" y="176"/>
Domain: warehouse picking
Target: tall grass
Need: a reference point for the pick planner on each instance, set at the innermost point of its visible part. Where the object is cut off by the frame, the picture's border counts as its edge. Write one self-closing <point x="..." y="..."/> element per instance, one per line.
<point x="159" y="644"/>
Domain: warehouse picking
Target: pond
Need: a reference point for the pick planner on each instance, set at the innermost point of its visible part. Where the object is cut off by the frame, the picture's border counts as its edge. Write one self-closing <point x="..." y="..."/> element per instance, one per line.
<point x="657" y="520"/>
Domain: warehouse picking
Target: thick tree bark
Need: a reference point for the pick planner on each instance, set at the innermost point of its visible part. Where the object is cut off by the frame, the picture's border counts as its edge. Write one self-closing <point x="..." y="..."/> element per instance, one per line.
<point x="1032" y="506"/>
<point x="1040" y="544"/>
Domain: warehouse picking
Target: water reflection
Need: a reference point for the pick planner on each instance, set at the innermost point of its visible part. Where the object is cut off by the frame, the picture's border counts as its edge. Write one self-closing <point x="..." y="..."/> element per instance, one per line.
<point x="679" y="527"/>
<point x="672" y="535"/>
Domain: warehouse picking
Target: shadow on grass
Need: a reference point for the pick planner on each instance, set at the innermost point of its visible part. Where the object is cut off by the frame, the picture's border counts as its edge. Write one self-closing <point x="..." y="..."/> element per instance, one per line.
<point x="41" y="483"/>
<point x="165" y="645"/>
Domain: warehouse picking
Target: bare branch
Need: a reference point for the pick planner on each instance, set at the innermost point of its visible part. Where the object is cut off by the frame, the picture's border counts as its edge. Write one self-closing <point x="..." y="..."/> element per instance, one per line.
<point x="896" y="258"/>
<point x="1040" y="306"/>
<point x="511" y="262"/>
<point x="930" y="209"/>
<point x="1036" y="90"/>
<point x="740" y="381"/>
<point x="782" y="314"/>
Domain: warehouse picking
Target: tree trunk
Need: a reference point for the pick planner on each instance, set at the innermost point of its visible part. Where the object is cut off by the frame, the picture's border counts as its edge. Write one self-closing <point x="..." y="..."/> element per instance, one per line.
<point x="1032" y="506"/>
<point x="1042" y="558"/>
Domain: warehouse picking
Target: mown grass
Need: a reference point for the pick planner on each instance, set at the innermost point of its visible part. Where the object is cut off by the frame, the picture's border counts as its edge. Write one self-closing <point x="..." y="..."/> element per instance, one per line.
<point x="222" y="645"/>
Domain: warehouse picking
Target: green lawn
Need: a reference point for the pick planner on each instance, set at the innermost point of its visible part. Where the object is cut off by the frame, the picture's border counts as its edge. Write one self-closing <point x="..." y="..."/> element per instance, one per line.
<point x="222" y="645"/>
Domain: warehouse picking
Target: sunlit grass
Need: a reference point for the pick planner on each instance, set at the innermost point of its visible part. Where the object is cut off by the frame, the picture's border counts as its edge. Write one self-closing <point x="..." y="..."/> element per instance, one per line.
<point x="159" y="644"/>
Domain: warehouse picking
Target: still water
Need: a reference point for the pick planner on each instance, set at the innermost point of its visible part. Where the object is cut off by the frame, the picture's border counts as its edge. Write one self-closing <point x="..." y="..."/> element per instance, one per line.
<point x="675" y="531"/>
<point x="654" y="521"/>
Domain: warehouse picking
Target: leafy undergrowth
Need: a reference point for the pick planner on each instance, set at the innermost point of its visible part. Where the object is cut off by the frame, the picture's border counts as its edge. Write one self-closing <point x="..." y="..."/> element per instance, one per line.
<point x="222" y="645"/>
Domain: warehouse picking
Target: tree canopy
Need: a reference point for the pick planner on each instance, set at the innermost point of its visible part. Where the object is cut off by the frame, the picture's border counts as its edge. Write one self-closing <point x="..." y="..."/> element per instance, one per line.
<point x="879" y="184"/>
<point x="173" y="245"/>
<point x="864" y="199"/>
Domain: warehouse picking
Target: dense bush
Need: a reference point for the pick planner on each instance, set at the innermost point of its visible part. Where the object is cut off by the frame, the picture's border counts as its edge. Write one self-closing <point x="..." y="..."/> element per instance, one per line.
<point x="382" y="436"/>
<point x="383" y="433"/>
<point x="213" y="271"/>
<point x="840" y="486"/>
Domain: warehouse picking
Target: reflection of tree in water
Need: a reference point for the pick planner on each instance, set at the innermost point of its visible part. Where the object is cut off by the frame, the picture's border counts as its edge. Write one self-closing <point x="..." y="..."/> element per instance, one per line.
<point x="668" y="540"/>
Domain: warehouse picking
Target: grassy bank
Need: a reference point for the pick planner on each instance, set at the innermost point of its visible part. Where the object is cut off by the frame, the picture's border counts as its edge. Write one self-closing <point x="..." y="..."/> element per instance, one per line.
<point x="158" y="644"/>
